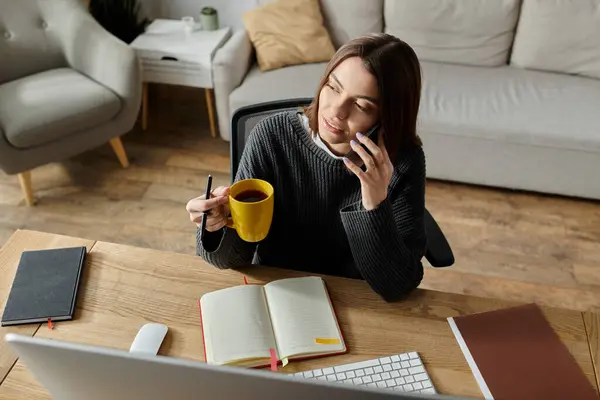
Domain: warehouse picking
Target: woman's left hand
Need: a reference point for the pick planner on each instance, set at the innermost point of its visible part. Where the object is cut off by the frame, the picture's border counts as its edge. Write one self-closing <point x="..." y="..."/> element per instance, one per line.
<point x="374" y="181"/>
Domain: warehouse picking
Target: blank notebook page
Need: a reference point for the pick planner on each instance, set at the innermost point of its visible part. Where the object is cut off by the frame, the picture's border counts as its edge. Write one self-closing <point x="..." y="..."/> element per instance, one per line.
<point x="236" y="324"/>
<point x="301" y="312"/>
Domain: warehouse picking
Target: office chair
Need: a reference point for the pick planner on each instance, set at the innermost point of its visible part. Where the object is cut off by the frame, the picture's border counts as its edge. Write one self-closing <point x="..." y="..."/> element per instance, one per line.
<point x="438" y="252"/>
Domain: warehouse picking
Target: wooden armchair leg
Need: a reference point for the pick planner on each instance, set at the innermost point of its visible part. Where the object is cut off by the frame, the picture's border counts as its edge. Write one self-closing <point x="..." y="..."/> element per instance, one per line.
<point x="119" y="150"/>
<point x="26" y="187"/>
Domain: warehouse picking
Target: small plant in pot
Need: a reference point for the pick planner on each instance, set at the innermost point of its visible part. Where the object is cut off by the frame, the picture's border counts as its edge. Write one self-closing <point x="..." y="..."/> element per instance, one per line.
<point x="209" y="19"/>
<point x="122" y="18"/>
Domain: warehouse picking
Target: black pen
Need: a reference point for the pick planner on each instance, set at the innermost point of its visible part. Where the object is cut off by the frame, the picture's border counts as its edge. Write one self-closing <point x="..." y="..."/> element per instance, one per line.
<point x="205" y="213"/>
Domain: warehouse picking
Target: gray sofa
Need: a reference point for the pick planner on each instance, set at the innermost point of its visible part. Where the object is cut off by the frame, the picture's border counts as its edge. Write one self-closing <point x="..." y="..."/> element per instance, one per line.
<point x="511" y="94"/>
<point x="66" y="86"/>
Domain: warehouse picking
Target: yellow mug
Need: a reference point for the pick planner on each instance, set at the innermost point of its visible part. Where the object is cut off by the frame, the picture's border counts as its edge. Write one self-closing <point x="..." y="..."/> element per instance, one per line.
<point x="251" y="204"/>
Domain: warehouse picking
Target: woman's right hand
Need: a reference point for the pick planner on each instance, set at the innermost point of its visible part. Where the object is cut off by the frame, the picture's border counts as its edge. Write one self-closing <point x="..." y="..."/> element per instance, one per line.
<point x="217" y="205"/>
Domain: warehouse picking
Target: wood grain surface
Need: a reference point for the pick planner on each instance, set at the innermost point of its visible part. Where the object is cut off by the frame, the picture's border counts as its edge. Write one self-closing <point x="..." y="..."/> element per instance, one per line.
<point x="592" y="326"/>
<point x="124" y="287"/>
<point x="10" y="254"/>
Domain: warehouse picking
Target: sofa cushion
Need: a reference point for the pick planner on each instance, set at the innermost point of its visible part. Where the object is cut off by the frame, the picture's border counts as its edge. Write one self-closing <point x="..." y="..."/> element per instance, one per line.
<point x="50" y="105"/>
<point x="278" y="84"/>
<point x="348" y="19"/>
<point x="288" y="32"/>
<point x="511" y="105"/>
<point x="560" y="36"/>
<point x="455" y="31"/>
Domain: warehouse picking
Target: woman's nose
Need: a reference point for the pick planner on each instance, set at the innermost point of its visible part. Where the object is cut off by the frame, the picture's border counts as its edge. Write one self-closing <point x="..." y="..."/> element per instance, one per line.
<point x="341" y="110"/>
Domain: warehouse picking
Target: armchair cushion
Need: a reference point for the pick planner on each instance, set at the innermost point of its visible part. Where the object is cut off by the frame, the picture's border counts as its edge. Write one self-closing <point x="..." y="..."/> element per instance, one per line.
<point x="30" y="36"/>
<point x="47" y="106"/>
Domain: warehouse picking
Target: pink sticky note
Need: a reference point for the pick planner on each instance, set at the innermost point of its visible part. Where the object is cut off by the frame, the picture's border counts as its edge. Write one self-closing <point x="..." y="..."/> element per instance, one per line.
<point x="273" y="360"/>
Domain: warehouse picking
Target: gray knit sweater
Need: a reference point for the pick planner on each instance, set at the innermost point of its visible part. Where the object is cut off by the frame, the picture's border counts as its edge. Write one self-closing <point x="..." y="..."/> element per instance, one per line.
<point x="319" y="224"/>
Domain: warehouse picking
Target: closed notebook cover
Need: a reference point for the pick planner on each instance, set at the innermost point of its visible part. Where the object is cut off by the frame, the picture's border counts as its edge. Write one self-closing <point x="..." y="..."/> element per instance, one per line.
<point x="45" y="286"/>
<point x="515" y="354"/>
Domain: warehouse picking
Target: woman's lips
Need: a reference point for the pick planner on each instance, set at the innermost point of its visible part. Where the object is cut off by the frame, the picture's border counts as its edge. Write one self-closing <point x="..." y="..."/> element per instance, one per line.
<point x="332" y="128"/>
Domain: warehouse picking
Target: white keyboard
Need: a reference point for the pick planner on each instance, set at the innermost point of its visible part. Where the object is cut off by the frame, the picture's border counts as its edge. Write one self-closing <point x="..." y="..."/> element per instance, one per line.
<point x="404" y="372"/>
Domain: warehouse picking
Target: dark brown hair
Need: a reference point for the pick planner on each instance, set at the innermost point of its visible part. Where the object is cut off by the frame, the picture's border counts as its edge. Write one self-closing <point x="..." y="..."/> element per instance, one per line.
<point x="398" y="72"/>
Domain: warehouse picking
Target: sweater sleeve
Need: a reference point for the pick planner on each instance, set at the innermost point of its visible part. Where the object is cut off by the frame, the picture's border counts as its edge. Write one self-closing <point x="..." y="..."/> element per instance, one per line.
<point x="389" y="241"/>
<point x="224" y="248"/>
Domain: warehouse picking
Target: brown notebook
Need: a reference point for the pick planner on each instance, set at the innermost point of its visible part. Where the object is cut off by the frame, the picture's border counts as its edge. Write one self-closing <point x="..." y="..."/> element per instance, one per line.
<point x="515" y="354"/>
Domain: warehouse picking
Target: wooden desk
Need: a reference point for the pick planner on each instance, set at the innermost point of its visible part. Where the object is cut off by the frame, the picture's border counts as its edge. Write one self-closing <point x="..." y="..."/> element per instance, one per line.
<point x="124" y="287"/>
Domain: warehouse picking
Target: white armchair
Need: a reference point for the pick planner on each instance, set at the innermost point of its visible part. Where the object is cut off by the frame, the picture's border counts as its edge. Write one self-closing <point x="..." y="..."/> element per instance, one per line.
<point x="66" y="86"/>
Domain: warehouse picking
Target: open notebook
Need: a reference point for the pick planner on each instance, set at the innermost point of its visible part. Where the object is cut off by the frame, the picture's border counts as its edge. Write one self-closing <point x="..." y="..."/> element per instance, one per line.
<point x="294" y="317"/>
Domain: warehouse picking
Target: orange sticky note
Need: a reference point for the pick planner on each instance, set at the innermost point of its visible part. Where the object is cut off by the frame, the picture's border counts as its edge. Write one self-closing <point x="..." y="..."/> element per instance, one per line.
<point x="273" y="360"/>
<point x="327" y="341"/>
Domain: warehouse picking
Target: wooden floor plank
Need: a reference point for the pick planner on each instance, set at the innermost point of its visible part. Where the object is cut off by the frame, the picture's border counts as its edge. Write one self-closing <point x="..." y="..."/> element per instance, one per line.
<point x="202" y="161"/>
<point x="451" y="280"/>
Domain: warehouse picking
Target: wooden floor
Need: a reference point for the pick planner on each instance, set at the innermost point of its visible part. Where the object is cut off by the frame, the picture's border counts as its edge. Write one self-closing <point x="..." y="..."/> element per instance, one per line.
<point x="507" y="245"/>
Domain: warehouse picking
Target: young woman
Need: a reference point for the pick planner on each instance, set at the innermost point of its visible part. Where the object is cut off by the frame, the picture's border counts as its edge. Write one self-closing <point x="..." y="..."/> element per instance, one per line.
<point x="333" y="216"/>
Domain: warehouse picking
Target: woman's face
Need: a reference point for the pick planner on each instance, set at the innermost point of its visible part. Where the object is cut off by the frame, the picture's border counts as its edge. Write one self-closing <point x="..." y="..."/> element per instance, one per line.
<point x="348" y="103"/>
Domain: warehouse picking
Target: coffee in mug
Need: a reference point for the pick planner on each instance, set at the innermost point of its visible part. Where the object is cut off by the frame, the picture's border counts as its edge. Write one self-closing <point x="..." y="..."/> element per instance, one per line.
<point x="251" y="203"/>
<point x="251" y="196"/>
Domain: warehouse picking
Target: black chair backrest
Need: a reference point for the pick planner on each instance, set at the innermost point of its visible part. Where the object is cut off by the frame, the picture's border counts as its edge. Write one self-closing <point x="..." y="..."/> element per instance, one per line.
<point x="439" y="253"/>
<point x="245" y="119"/>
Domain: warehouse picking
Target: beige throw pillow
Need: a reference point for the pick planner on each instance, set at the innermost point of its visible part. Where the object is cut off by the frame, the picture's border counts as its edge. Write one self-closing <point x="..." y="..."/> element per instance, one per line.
<point x="559" y="36"/>
<point x="288" y="32"/>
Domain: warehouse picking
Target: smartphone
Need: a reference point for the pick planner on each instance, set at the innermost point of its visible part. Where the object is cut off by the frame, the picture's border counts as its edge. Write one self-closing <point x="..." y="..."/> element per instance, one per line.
<point x="372" y="134"/>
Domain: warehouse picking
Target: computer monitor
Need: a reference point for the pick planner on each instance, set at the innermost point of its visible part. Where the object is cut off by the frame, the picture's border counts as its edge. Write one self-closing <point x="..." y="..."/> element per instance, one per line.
<point x="72" y="371"/>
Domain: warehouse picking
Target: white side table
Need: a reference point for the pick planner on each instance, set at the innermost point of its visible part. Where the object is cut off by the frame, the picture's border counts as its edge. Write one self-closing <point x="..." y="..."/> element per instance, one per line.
<point x="170" y="55"/>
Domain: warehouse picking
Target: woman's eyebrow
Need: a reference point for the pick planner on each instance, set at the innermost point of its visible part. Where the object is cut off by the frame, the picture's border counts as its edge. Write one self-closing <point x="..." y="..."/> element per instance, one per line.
<point x="368" y="98"/>
<point x="337" y="80"/>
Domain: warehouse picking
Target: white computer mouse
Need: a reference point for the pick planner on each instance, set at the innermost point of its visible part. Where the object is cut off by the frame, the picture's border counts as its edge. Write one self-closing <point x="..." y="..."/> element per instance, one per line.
<point x="149" y="338"/>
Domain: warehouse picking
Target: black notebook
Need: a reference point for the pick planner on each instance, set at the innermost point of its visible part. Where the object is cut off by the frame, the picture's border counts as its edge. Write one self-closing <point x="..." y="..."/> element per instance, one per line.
<point x="45" y="286"/>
